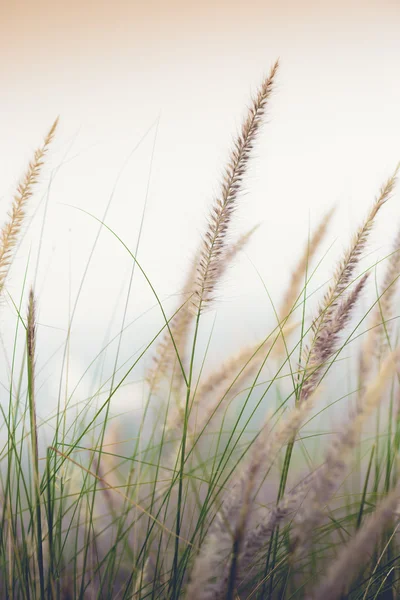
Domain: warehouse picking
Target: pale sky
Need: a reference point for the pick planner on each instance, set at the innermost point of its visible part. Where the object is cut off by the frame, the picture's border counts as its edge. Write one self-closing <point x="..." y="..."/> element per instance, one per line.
<point x="185" y="70"/>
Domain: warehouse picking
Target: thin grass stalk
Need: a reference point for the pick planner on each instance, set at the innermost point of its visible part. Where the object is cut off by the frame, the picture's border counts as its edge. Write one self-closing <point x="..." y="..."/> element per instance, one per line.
<point x="332" y="317"/>
<point x="31" y="345"/>
<point x="9" y="236"/>
<point x="325" y="325"/>
<point x="374" y="343"/>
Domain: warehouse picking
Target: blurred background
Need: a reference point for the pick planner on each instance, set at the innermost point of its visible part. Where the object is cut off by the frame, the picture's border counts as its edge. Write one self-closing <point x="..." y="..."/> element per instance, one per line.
<point x="150" y="96"/>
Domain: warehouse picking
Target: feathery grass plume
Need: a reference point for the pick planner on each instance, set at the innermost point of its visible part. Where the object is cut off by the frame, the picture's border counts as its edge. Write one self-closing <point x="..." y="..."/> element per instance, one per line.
<point x="345" y="270"/>
<point x="180" y="324"/>
<point x="216" y="567"/>
<point x="214" y="242"/>
<point x="298" y="273"/>
<point x="383" y="310"/>
<point x="31" y="349"/>
<point x="326" y="339"/>
<point x="11" y="229"/>
<point x="325" y="325"/>
<point x="259" y="536"/>
<point x="327" y="480"/>
<point x="343" y="570"/>
<point x="31" y="352"/>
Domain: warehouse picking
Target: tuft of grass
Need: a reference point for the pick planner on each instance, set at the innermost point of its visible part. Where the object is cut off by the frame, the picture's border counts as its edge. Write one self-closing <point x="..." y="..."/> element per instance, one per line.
<point x="202" y="496"/>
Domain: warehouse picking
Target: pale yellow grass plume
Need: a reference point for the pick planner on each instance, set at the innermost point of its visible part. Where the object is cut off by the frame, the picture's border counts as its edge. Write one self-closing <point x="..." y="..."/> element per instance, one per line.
<point x="351" y="557"/>
<point x="330" y="473"/>
<point x="376" y="341"/>
<point x="346" y="268"/>
<point x="165" y="355"/>
<point x="335" y="311"/>
<point x="218" y="563"/>
<point x="214" y="242"/>
<point x="11" y="229"/>
<point x="297" y="280"/>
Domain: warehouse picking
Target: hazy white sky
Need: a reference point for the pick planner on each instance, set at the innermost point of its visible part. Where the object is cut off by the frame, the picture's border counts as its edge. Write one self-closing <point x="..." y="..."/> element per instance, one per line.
<point x="185" y="70"/>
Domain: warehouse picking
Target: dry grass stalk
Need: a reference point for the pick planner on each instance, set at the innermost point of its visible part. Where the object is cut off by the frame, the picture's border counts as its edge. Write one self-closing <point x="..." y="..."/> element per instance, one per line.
<point x="11" y="229"/>
<point x="214" y="242"/>
<point x="217" y="563"/>
<point x="325" y="326"/>
<point x="351" y="557"/>
<point x="328" y="478"/>
<point x="165" y="355"/>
